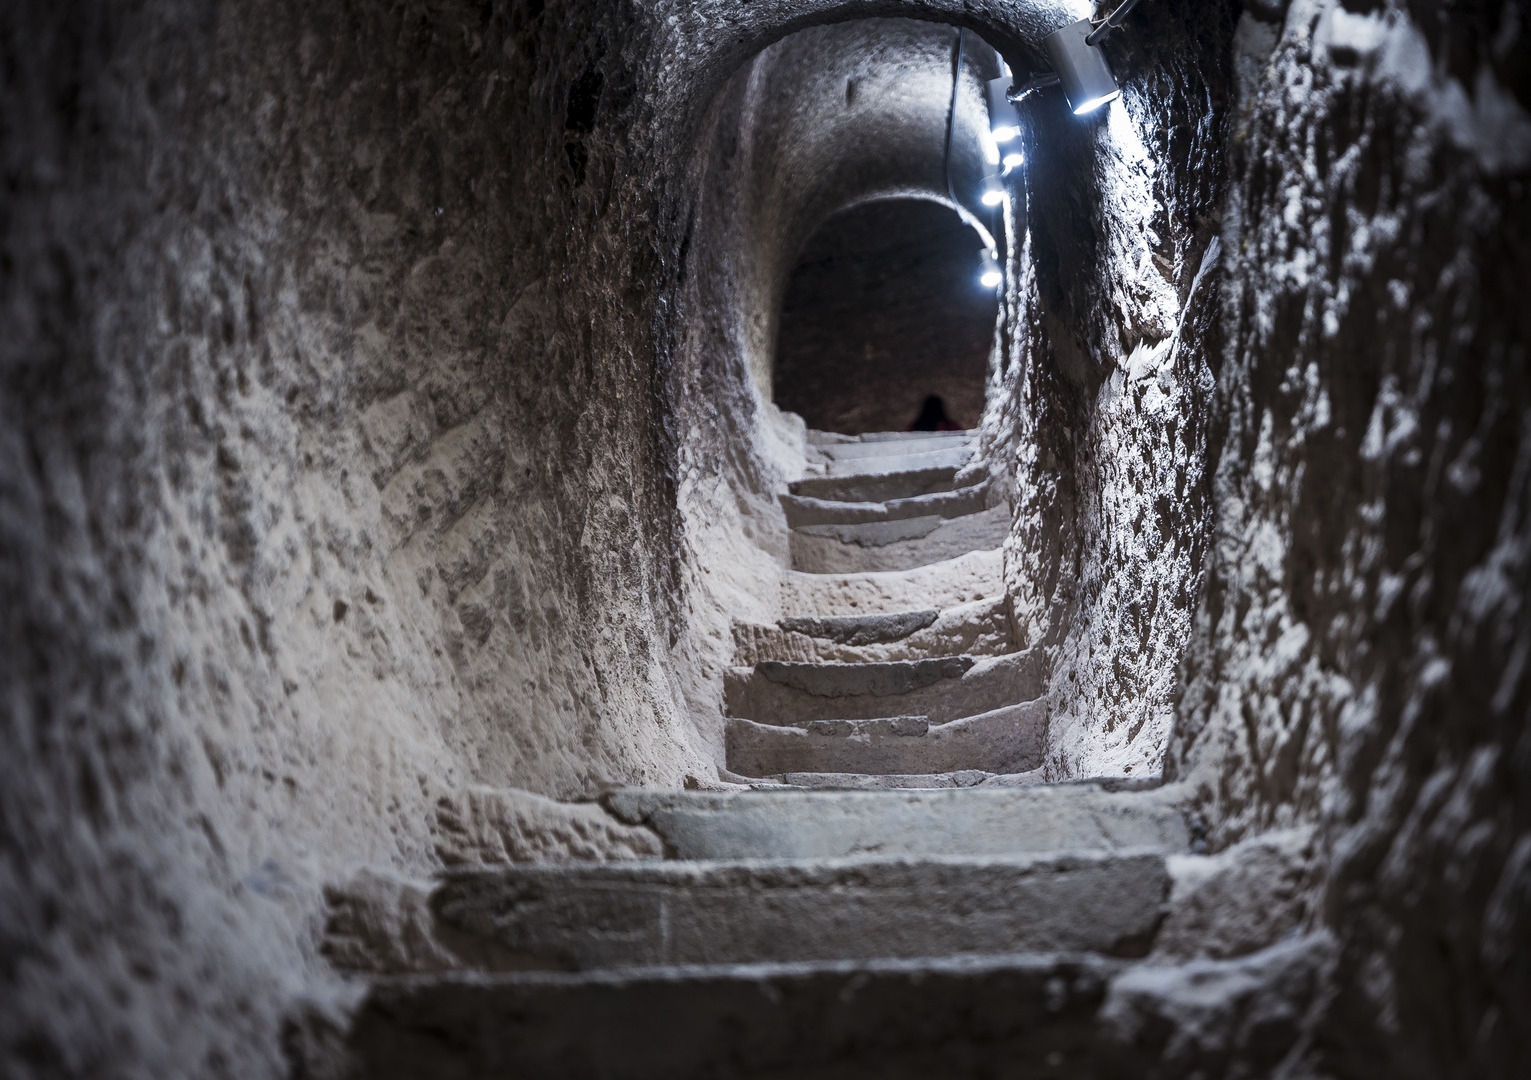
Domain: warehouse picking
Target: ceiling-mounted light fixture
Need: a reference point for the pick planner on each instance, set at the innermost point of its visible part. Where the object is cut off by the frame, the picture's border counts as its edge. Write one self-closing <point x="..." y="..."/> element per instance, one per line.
<point x="1004" y="117"/>
<point x="989" y="274"/>
<point x="1080" y="65"/>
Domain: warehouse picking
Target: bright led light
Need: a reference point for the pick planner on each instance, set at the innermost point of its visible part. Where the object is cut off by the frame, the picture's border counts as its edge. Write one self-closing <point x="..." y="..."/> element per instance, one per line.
<point x="1005" y="132"/>
<point x="993" y="197"/>
<point x="1014" y="160"/>
<point x="1095" y="103"/>
<point x="989" y="273"/>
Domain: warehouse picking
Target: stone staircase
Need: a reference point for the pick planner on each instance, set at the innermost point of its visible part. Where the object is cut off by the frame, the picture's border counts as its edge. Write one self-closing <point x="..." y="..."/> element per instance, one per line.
<point x="884" y="886"/>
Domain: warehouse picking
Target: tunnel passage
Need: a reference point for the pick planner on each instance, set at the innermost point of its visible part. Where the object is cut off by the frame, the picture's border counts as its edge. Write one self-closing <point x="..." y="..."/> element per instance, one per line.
<point x="351" y="510"/>
<point x="882" y="309"/>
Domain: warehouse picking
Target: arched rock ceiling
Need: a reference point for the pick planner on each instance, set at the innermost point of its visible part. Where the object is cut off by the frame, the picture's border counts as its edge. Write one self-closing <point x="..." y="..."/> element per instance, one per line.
<point x="841" y="114"/>
<point x="693" y="60"/>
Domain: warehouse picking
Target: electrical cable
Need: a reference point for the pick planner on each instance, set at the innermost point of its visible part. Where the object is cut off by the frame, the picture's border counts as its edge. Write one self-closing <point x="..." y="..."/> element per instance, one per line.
<point x="951" y="118"/>
<point x="1101" y="32"/>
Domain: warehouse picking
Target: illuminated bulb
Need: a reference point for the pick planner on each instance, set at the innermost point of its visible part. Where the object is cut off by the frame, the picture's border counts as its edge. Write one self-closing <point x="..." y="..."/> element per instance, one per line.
<point x="1082" y="69"/>
<point x="993" y="197"/>
<point x="1095" y="103"/>
<point x="989" y="274"/>
<point x="1014" y="160"/>
<point x="1004" y="120"/>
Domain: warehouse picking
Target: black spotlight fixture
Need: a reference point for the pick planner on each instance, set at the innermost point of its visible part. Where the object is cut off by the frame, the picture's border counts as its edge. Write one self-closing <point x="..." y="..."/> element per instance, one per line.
<point x="1078" y="63"/>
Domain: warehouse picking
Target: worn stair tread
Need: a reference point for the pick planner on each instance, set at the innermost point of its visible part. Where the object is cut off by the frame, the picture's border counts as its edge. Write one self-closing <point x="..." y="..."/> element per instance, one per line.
<point x="991" y="1015"/>
<point x="916" y="458"/>
<point x="960" y="580"/>
<point x="880" y="679"/>
<point x="896" y="545"/>
<point x="923" y="478"/>
<point x="980" y="628"/>
<point x="579" y="916"/>
<point x="890" y="448"/>
<point x="797" y="823"/>
<point x="831" y="439"/>
<point x="803" y="510"/>
<point x="878" y="629"/>
<point x="839" y="781"/>
<point x="788" y="694"/>
<point x="1010" y="739"/>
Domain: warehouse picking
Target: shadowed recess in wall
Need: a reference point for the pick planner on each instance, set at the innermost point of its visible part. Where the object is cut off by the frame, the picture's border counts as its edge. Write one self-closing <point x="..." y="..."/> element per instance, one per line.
<point x="882" y="309"/>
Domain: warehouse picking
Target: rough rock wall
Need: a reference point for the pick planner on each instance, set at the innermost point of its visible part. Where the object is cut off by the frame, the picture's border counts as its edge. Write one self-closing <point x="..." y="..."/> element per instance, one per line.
<point x="333" y="476"/>
<point x="1359" y="659"/>
<point x="340" y="468"/>
<point x="1099" y="414"/>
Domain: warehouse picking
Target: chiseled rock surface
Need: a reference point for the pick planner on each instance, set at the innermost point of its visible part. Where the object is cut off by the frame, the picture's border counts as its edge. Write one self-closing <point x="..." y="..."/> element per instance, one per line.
<point x="907" y="1020"/>
<point x="485" y="826"/>
<point x="980" y="628"/>
<point x="802" y="510"/>
<point x="896" y="545"/>
<point x="850" y="680"/>
<point x="1008" y="739"/>
<point x="797" y="824"/>
<point x="950" y="688"/>
<point x="854" y="486"/>
<point x="1243" y="899"/>
<point x="861" y="629"/>
<point x="669" y="912"/>
<point x="961" y="580"/>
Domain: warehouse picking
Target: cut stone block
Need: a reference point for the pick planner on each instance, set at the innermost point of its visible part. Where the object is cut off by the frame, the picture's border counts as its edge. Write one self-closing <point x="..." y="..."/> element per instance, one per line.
<point x="956" y="821"/>
<point x="850" y="680"/>
<point x="879" y="488"/>
<point x="1000" y="1017"/>
<point x="862" y="629"/>
<point x="837" y="438"/>
<point x="977" y="629"/>
<point x="794" y="694"/>
<point x="913" y="442"/>
<point x="915" y="458"/>
<point x="802" y="511"/>
<point x="962" y="580"/>
<point x="1007" y="740"/>
<point x="896" y="545"/>
<point x="608" y="915"/>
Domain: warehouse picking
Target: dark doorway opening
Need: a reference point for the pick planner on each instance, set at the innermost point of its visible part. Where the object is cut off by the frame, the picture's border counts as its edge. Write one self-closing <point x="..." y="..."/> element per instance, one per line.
<point x="883" y="309"/>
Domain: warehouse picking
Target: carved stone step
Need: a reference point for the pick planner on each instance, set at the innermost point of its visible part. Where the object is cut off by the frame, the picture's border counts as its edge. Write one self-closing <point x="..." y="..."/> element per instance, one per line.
<point x="896" y="545"/>
<point x="584" y="916"/>
<point x="981" y="628"/>
<point x="1009" y="1018"/>
<point x="801" y="510"/>
<point x="915" y="476"/>
<point x="961" y="580"/>
<point x="940" y="689"/>
<point x="956" y="821"/>
<point x="1005" y="740"/>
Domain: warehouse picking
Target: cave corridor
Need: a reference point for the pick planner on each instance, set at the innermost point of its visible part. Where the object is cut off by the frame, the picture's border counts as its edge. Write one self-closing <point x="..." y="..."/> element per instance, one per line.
<point x="485" y="593"/>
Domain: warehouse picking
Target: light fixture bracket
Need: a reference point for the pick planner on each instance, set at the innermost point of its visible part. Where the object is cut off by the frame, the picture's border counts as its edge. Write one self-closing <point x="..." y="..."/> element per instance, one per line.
<point x="1081" y="67"/>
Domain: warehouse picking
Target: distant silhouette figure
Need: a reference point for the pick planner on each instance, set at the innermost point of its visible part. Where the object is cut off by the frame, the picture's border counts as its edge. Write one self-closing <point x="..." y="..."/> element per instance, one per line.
<point x="933" y="416"/>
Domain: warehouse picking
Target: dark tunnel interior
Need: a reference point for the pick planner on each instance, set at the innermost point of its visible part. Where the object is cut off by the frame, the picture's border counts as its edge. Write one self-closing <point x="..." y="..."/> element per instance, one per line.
<point x="884" y="308"/>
